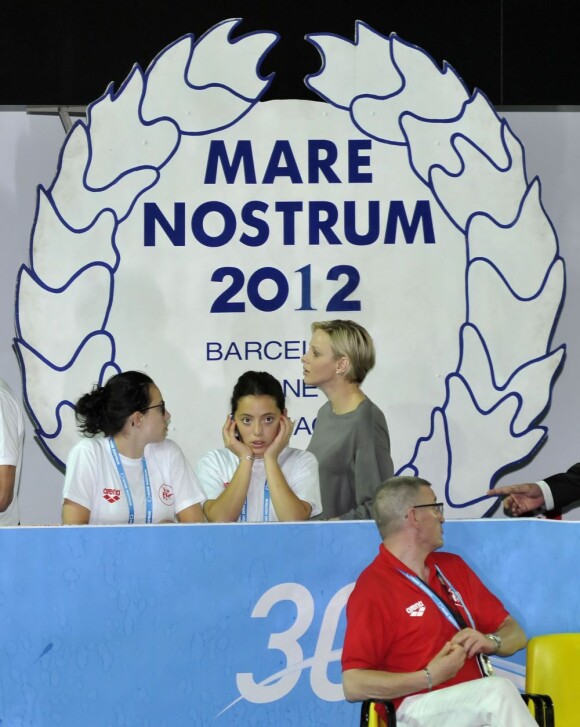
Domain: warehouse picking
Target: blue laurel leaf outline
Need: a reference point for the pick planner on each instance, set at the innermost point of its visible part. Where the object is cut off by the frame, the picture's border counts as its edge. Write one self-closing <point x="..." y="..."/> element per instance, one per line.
<point x="449" y="467"/>
<point x="477" y="93"/>
<point x="145" y="167"/>
<point x="251" y="101"/>
<point x="312" y="38"/>
<point x="64" y="223"/>
<point x="41" y="435"/>
<point x="496" y="385"/>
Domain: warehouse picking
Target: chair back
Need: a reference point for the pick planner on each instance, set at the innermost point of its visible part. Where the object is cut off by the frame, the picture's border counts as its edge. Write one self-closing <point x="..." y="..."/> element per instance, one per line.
<point x="553" y="667"/>
<point x="374" y="719"/>
<point x="370" y="717"/>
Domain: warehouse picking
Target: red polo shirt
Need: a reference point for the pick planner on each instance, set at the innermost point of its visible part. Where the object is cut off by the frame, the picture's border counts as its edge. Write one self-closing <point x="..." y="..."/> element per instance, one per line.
<point x="394" y="626"/>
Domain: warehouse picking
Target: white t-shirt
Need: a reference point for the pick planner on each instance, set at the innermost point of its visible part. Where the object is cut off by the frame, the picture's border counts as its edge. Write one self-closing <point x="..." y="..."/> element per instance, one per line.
<point x="11" y="444"/>
<point x="215" y="470"/>
<point x="92" y="480"/>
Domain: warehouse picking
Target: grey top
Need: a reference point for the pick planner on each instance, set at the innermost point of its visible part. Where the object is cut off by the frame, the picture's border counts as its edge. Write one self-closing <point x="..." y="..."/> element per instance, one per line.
<point x="354" y="457"/>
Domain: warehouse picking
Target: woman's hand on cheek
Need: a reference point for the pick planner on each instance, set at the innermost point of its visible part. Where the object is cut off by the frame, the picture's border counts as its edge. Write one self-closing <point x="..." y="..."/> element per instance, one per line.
<point x="231" y="442"/>
<point x="282" y="439"/>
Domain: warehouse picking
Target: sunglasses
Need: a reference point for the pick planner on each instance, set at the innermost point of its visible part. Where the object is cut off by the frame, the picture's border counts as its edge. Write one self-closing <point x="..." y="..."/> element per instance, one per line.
<point x="157" y="406"/>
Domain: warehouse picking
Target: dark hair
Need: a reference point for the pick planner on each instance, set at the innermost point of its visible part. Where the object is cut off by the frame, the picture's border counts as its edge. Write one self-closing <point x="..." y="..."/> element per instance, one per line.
<point x="258" y="383"/>
<point x="106" y="408"/>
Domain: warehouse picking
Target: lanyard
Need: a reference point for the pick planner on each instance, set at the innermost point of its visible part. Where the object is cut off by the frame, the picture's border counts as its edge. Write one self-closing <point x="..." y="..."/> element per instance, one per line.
<point x="126" y="488"/>
<point x="266" y="508"/>
<point x="441" y="605"/>
<point x="455" y="619"/>
<point x="455" y="596"/>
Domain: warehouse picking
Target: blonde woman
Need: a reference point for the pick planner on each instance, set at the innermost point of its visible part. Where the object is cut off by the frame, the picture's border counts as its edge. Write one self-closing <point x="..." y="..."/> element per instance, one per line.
<point x="351" y="439"/>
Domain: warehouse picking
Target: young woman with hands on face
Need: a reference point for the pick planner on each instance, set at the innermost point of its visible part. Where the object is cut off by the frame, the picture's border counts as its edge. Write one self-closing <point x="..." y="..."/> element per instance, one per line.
<point x="257" y="477"/>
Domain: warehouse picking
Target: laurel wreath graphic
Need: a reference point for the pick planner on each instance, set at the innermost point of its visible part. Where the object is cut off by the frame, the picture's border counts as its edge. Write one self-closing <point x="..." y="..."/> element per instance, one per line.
<point x="394" y="93"/>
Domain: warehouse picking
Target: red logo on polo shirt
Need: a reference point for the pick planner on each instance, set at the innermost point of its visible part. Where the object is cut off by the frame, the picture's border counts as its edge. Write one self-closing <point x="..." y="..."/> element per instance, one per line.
<point x="111" y="495"/>
<point x="166" y="495"/>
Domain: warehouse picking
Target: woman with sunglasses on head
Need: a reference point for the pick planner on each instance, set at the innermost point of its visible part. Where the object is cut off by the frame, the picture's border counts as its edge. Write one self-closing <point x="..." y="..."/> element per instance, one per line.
<point x="257" y="477"/>
<point x="132" y="474"/>
<point x="351" y="439"/>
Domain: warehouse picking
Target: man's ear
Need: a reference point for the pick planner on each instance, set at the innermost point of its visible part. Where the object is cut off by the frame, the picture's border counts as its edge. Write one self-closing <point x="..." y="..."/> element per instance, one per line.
<point x="412" y="517"/>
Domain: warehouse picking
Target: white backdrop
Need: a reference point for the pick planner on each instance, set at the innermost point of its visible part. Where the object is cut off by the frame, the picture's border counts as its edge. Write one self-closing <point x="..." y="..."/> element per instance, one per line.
<point x="29" y="147"/>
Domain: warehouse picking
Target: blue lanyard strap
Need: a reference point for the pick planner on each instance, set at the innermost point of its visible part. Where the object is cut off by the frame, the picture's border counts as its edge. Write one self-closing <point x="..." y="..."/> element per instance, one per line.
<point x="127" y="489"/>
<point x="266" y="502"/>
<point x="457" y="597"/>
<point x="441" y="605"/>
<point x="266" y="508"/>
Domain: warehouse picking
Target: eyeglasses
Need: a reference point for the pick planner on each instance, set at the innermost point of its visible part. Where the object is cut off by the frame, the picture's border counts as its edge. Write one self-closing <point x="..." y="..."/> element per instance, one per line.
<point x="438" y="505"/>
<point x="157" y="406"/>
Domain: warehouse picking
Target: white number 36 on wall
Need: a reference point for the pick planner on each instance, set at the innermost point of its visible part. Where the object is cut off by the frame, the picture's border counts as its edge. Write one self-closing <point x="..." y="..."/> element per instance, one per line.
<point x="280" y="684"/>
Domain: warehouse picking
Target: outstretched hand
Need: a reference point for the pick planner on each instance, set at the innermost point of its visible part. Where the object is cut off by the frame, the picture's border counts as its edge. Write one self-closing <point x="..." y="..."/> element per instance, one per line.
<point x="231" y="442"/>
<point x="282" y="438"/>
<point x="520" y="499"/>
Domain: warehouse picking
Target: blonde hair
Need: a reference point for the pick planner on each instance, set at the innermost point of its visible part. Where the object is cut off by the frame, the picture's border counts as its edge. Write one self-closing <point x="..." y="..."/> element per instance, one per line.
<point x="351" y="340"/>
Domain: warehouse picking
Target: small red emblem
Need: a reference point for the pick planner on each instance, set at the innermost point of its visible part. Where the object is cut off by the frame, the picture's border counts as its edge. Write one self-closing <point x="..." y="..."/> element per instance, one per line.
<point x="166" y="495"/>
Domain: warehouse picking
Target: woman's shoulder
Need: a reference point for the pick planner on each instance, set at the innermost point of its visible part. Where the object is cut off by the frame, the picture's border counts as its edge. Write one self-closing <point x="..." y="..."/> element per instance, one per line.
<point x="291" y="454"/>
<point x="370" y="411"/>
<point x="324" y="411"/>
<point x="370" y="426"/>
<point x="86" y="455"/>
<point x="87" y="446"/>
<point x="166" y="443"/>
<point x="369" y="406"/>
<point x="167" y="447"/>
<point x="218" y="456"/>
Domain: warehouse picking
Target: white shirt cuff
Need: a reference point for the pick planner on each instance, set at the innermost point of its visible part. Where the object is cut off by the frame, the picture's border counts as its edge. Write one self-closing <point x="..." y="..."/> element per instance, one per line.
<point x="547" y="492"/>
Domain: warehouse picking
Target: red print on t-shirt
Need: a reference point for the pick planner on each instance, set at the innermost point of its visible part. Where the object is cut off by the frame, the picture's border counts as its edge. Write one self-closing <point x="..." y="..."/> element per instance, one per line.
<point x="166" y="494"/>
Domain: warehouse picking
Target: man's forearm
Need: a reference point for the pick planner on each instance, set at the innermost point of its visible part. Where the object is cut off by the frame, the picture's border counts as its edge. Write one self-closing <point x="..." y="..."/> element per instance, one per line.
<point x="361" y="684"/>
<point x="512" y="637"/>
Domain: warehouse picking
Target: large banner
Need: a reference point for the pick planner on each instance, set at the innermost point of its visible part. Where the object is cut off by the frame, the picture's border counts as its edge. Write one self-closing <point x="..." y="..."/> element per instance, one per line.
<point x="226" y="624"/>
<point x="195" y="232"/>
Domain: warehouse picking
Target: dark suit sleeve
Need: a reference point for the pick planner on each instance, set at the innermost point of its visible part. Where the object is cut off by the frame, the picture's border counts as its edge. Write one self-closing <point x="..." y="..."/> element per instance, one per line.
<point x="565" y="486"/>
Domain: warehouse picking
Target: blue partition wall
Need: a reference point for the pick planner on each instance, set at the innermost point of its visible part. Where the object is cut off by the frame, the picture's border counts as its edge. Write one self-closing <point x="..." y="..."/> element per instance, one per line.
<point x="224" y="624"/>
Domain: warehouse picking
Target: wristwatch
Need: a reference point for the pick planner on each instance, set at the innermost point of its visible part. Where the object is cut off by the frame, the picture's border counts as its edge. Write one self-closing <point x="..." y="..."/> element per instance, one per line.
<point x="496" y="640"/>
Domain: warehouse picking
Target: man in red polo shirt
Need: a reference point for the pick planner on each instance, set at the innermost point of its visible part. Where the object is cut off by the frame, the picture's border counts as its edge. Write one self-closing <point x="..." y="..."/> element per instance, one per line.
<point x="420" y="625"/>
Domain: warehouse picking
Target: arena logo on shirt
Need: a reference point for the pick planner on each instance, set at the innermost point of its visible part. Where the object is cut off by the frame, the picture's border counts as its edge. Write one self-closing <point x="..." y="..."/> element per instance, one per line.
<point x="237" y="216"/>
<point x="166" y="495"/>
<point x="111" y="495"/>
<point x="417" y="609"/>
